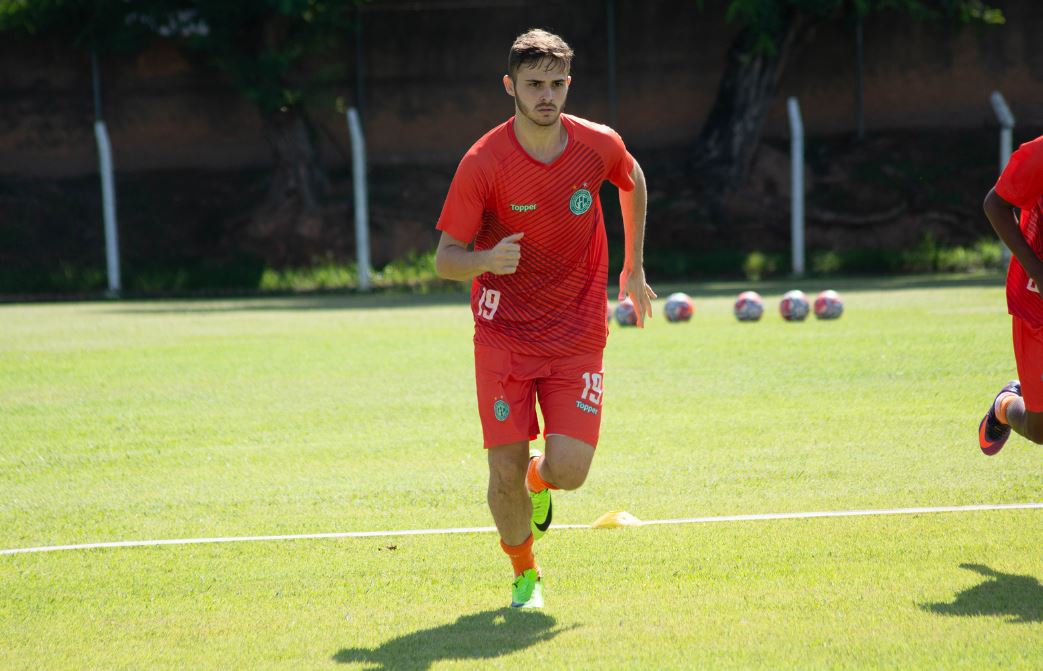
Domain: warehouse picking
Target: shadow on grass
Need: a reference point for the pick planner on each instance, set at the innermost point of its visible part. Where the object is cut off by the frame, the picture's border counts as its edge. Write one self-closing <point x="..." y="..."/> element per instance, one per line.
<point x="382" y="300"/>
<point x="484" y="635"/>
<point x="389" y="299"/>
<point x="844" y="283"/>
<point x="1020" y="597"/>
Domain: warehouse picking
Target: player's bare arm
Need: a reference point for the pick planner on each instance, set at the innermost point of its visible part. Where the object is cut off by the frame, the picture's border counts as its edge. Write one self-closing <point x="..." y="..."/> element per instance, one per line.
<point x="1001" y="215"/>
<point x="454" y="261"/>
<point x="632" y="282"/>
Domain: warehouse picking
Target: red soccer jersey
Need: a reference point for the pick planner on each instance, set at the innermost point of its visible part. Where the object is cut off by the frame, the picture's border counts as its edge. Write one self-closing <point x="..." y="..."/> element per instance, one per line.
<point x="1021" y="185"/>
<point x="554" y="303"/>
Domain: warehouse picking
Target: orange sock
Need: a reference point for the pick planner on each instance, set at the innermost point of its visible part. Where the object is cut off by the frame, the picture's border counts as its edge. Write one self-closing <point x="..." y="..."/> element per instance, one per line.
<point x="521" y="555"/>
<point x="1001" y="412"/>
<point x="533" y="479"/>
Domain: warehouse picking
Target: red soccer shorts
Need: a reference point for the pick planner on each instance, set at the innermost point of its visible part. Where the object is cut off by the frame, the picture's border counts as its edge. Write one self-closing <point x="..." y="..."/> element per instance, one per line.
<point x="570" y="391"/>
<point x="1028" y="352"/>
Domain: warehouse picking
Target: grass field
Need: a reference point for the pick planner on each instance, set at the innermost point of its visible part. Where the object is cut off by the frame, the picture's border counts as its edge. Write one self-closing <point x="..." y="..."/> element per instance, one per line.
<point x="164" y="420"/>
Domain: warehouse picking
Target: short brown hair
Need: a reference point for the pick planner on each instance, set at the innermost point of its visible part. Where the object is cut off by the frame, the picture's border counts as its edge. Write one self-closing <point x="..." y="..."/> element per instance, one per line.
<point x="538" y="47"/>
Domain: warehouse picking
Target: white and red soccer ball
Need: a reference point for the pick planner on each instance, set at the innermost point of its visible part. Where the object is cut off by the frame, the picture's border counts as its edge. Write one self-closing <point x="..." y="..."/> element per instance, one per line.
<point x="626" y="315"/>
<point x="829" y="305"/>
<point x="794" y="306"/>
<point x="679" y="307"/>
<point x="749" y="306"/>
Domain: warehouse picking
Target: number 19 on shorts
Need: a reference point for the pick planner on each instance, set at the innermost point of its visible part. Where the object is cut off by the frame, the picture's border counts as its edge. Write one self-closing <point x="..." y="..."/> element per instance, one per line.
<point x="593" y="388"/>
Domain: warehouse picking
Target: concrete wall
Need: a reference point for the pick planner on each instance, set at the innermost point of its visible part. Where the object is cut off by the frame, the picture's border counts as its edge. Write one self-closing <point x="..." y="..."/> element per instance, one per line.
<point x="431" y="84"/>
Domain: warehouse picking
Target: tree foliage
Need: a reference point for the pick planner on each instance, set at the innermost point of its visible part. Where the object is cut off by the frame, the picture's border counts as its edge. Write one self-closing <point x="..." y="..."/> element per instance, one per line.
<point x="260" y="44"/>
<point x="768" y="19"/>
<point x="769" y="32"/>
<point x="271" y="51"/>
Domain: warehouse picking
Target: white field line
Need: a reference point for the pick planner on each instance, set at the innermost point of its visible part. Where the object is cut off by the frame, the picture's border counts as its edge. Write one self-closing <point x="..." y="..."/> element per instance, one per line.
<point x="473" y="530"/>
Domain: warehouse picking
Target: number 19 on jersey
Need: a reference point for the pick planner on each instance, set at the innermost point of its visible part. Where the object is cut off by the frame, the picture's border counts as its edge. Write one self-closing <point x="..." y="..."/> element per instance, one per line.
<point x="488" y="302"/>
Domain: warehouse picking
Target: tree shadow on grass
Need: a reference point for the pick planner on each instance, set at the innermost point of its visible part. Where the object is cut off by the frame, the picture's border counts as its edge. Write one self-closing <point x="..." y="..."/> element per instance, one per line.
<point x="1020" y="597"/>
<point x="484" y="635"/>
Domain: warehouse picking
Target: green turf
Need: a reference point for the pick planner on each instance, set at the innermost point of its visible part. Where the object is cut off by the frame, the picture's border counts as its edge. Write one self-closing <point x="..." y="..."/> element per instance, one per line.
<point x="155" y="420"/>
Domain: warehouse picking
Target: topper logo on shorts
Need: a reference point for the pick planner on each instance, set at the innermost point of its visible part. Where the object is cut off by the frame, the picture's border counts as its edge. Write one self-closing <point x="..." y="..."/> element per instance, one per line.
<point x="586" y="408"/>
<point x="501" y="409"/>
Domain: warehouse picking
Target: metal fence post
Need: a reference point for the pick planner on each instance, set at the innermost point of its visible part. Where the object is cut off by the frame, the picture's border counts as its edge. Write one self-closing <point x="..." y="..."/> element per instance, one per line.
<point x="796" y="126"/>
<point x="358" y="174"/>
<point x="1006" y="119"/>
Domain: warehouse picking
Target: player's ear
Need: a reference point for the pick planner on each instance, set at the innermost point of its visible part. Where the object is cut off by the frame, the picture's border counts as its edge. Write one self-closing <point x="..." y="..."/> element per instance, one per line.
<point x="508" y="85"/>
<point x="568" y="80"/>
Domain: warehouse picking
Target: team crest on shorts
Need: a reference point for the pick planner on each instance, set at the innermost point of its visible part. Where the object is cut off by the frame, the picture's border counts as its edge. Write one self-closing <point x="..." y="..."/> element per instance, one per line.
<point x="580" y="202"/>
<point x="501" y="409"/>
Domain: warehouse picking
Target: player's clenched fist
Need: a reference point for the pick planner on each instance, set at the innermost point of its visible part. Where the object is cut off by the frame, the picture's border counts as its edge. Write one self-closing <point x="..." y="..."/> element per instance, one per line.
<point x="503" y="258"/>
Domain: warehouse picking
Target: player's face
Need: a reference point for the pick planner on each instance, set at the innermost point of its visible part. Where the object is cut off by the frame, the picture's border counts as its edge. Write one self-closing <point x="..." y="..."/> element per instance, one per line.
<point x="539" y="94"/>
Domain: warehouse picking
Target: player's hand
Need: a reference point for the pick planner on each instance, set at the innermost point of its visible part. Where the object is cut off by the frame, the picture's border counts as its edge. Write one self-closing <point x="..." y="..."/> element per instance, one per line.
<point x="1035" y="271"/>
<point x="504" y="257"/>
<point x="632" y="284"/>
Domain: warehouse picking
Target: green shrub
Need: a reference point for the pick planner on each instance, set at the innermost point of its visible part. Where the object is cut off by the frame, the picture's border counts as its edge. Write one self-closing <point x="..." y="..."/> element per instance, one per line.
<point x="758" y="265"/>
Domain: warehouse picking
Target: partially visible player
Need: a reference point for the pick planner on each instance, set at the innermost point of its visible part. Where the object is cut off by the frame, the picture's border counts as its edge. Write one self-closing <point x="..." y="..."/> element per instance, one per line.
<point x="1019" y="405"/>
<point x="523" y="220"/>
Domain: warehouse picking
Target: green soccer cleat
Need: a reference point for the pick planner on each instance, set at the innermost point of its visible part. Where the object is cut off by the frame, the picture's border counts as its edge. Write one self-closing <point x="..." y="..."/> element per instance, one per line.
<point x="542" y="509"/>
<point x="527" y="590"/>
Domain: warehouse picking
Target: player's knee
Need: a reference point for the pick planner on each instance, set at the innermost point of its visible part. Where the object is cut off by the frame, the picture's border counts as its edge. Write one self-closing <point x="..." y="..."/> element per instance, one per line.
<point x="567" y="478"/>
<point x="1034" y="432"/>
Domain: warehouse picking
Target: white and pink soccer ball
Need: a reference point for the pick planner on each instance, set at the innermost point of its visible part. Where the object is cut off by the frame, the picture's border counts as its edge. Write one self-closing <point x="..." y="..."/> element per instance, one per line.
<point x="679" y="307"/>
<point x="829" y="305"/>
<point x="794" y="306"/>
<point x="626" y="315"/>
<point x="749" y="306"/>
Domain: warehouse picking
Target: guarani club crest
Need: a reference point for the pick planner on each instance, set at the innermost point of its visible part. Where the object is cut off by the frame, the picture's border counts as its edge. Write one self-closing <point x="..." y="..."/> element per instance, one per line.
<point x="581" y="200"/>
<point x="501" y="409"/>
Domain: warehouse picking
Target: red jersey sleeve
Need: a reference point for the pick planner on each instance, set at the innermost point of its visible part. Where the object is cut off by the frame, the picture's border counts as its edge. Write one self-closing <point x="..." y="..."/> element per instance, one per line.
<point x="464" y="204"/>
<point x="1021" y="183"/>
<point x="620" y="164"/>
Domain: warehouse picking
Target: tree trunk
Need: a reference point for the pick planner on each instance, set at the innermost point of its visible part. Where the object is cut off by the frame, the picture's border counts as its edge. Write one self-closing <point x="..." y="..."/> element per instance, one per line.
<point x="732" y="131"/>
<point x="289" y="220"/>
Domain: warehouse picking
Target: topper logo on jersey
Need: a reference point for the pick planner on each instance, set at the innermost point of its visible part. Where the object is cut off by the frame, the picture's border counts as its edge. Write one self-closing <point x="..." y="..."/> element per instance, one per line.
<point x="580" y="202"/>
<point x="1032" y="286"/>
<point x="527" y="207"/>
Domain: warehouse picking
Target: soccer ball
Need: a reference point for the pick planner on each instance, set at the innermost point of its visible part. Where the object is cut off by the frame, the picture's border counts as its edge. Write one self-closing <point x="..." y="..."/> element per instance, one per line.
<point x="794" y="306"/>
<point x="679" y="307"/>
<point x="626" y="315"/>
<point x="828" y="305"/>
<point x="749" y="306"/>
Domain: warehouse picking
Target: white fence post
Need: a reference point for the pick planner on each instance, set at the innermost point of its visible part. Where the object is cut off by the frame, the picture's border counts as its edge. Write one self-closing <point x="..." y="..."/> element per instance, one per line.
<point x="108" y="186"/>
<point x="796" y="126"/>
<point x="108" y="202"/>
<point x="1006" y="119"/>
<point x="358" y="173"/>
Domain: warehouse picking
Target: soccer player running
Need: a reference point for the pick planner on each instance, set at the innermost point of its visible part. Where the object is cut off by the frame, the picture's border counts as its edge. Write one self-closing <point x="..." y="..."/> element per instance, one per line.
<point x="523" y="219"/>
<point x="1019" y="405"/>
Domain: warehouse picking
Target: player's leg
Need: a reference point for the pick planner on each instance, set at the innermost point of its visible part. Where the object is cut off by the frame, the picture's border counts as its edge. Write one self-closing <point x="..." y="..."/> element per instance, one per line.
<point x="509" y="503"/>
<point x="570" y="397"/>
<point x="567" y="461"/>
<point x="507" y="407"/>
<point x="1025" y="423"/>
<point x="1019" y="405"/>
<point x="507" y="494"/>
<point x="1024" y="413"/>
